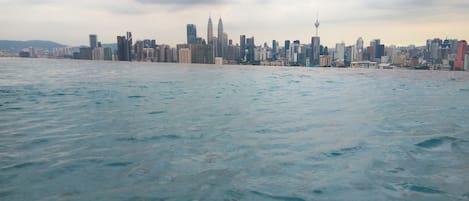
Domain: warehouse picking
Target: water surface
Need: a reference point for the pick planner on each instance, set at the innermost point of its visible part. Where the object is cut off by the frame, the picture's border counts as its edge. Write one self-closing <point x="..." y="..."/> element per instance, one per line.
<point x="79" y="130"/>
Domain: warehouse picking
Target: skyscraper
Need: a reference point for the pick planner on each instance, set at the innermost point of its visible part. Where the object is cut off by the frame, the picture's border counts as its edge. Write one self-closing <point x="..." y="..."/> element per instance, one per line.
<point x="359" y="53"/>
<point x="225" y="45"/>
<point x="129" y="45"/>
<point x="202" y="54"/>
<point x="242" y="48"/>
<point x="124" y="47"/>
<point x="274" y="50"/>
<point x="220" y="46"/>
<point x="210" y="31"/>
<point x="460" y="56"/>
<point x="250" y="45"/>
<point x="93" y="41"/>
<point x="315" y="51"/>
<point x="339" y="55"/>
<point x="122" y="50"/>
<point x="191" y="34"/>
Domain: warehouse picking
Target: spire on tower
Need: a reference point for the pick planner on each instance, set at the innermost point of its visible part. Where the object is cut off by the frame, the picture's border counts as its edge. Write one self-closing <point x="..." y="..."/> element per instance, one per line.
<point x="317" y="24"/>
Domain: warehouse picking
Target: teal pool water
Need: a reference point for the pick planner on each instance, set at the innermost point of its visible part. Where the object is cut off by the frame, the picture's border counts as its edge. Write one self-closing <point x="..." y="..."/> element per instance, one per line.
<point x="78" y="130"/>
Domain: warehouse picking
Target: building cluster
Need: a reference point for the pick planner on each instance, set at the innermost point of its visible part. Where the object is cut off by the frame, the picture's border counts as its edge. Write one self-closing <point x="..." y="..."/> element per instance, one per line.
<point x="95" y="51"/>
<point x="217" y="48"/>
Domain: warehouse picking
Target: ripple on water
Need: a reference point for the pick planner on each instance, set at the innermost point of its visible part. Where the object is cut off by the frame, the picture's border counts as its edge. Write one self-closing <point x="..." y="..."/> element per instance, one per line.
<point x="157" y="112"/>
<point x="149" y="138"/>
<point x="437" y="142"/>
<point x="119" y="164"/>
<point x="420" y="189"/>
<point x="22" y="165"/>
<point x="276" y="197"/>
<point x="136" y="97"/>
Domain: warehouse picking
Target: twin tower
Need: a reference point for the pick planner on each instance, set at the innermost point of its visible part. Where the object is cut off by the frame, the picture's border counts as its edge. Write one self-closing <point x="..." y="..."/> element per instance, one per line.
<point x="220" y="42"/>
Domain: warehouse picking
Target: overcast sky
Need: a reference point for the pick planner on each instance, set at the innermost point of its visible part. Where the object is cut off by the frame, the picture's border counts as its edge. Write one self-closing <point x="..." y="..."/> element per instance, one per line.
<point x="399" y="22"/>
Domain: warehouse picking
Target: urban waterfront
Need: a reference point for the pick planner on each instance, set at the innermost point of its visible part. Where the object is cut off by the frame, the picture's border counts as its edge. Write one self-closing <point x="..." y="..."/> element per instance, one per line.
<point x="92" y="130"/>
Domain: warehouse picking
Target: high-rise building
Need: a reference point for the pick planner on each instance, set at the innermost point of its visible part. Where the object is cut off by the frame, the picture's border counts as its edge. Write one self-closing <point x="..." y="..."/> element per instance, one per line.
<point x="129" y="45"/>
<point x="122" y="50"/>
<point x="108" y="54"/>
<point x="225" y="45"/>
<point x="202" y="54"/>
<point x="250" y="46"/>
<point x="348" y="55"/>
<point x="359" y="50"/>
<point x="191" y="34"/>
<point x="296" y="50"/>
<point x="220" y="47"/>
<point x="376" y="50"/>
<point x="210" y="31"/>
<point x="315" y="51"/>
<point x="185" y="56"/>
<point x="139" y="54"/>
<point x="460" y="56"/>
<point x="274" y="50"/>
<point x="339" y="55"/>
<point x="124" y="47"/>
<point x="286" y="53"/>
<point x="93" y="41"/>
<point x="242" y="48"/>
<point x="435" y="54"/>
<point x="86" y="53"/>
<point x="98" y="53"/>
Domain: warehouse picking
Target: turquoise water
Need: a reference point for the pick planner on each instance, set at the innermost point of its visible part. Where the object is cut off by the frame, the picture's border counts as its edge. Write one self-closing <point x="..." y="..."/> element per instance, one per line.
<point x="77" y="130"/>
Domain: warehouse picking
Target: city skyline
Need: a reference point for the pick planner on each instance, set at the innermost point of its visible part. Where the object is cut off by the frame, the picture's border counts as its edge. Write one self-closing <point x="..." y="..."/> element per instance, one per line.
<point x="398" y="22"/>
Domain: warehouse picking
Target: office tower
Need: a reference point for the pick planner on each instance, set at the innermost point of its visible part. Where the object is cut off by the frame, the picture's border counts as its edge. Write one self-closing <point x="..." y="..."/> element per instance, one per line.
<point x="286" y="53"/>
<point x="129" y="45"/>
<point x="98" y="53"/>
<point x="86" y="53"/>
<point x="348" y="54"/>
<point x="185" y="56"/>
<point x="231" y="53"/>
<point x="250" y="46"/>
<point x="435" y="55"/>
<point x="122" y="50"/>
<point x="242" y="48"/>
<point x="139" y="45"/>
<point x="93" y="41"/>
<point x="274" y="50"/>
<point x="191" y="34"/>
<point x="315" y="51"/>
<point x="146" y="43"/>
<point x="202" y="54"/>
<point x="210" y="31"/>
<point x="225" y="45"/>
<point x="339" y="55"/>
<point x="376" y="50"/>
<point x="460" y="56"/>
<point x="295" y="51"/>
<point x="124" y="47"/>
<point x="108" y="54"/>
<point x="220" y="46"/>
<point x="359" y="48"/>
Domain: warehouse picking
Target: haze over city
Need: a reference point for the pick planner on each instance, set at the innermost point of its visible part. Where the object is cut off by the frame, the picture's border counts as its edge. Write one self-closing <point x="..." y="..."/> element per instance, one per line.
<point x="394" y="22"/>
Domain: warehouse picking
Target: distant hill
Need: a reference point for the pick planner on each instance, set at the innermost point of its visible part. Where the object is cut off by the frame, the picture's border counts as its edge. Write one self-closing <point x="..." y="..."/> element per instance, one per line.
<point x="16" y="46"/>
